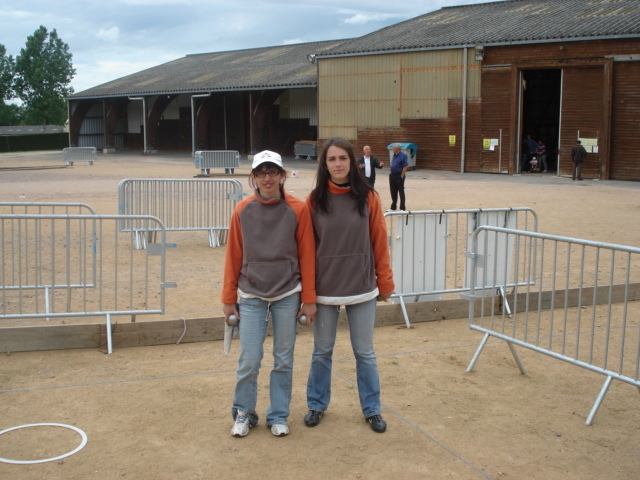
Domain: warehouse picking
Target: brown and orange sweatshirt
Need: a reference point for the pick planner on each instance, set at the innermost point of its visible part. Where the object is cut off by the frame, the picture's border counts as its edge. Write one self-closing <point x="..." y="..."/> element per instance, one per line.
<point x="353" y="264"/>
<point x="270" y="251"/>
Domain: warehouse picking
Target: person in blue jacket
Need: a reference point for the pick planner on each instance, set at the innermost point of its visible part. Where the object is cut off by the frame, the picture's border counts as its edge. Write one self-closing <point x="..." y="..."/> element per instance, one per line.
<point x="399" y="167"/>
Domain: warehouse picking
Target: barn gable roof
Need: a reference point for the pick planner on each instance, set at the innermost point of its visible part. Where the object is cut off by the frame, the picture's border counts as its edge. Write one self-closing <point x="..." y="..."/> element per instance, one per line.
<point x="285" y="66"/>
<point x="503" y="23"/>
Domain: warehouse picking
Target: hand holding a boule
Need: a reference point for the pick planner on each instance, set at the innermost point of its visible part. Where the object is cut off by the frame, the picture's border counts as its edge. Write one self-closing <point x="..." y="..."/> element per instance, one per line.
<point x="309" y="310"/>
<point x="230" y="309"/>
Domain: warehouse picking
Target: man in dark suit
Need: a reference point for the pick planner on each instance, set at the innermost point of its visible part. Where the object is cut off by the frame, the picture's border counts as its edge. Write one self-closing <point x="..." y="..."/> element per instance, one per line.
<point x="368" y="163"/>
<point x="578" y="155"/>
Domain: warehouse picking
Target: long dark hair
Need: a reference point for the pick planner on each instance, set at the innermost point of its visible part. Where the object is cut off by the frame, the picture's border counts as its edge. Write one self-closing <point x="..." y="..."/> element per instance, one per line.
<point x="360" y="187"/>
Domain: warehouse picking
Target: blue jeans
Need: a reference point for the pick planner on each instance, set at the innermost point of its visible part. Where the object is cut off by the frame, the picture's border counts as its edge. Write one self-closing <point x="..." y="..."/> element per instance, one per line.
<point x="253" y="330"/>
<point x="361" y="321"/>
<point x="396" y="186"/>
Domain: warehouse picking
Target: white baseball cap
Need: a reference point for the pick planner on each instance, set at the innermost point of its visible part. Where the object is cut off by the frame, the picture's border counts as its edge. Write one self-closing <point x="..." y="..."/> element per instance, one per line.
<point x="266" y="156"/>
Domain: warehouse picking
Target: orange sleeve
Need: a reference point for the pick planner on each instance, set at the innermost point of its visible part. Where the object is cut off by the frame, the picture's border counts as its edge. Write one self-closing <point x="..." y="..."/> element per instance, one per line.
<point x="378" y="232"/>
<point x="306" y="252"/>
<point x="233" y="258"/>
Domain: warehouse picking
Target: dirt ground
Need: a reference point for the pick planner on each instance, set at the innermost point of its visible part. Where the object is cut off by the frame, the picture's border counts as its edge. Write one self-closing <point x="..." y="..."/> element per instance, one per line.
<point x="163" y="412"/>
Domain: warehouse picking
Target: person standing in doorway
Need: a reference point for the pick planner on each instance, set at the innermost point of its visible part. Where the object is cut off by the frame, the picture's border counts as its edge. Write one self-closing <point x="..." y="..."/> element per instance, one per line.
<point x="532" y="146"/>
<point x="578" y="155"/>
<point x="541" y="155"/>
<point x="368" y="164"/>
<point x="270" y="265"/>
<point x="353" y="269"/>
<point x="399" y="167"/>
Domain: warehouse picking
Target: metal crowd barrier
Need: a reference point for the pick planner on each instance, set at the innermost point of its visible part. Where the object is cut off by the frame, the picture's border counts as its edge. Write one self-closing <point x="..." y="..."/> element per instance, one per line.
<point x="66" y="266"/>
<point x="577" y="305"/>
<point x="180" y="204"/>
<point x="40" y="208"/>
<point x="205" y="160"/>
<point x="80" y="154"/>
<point x="306" y="149"/>
<point x="428" y="249"/>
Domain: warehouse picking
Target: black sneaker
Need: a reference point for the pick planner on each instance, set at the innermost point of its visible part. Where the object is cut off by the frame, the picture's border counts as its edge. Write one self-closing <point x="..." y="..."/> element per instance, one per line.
<point x="377" y="423"/>
<point x="312" y="418"/>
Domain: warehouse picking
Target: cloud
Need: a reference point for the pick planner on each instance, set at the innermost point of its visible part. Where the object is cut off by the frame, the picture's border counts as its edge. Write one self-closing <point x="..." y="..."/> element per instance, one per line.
<point x="359" y="18"/>
<point x="96" y="73"/>
<point x="109" y="35"/>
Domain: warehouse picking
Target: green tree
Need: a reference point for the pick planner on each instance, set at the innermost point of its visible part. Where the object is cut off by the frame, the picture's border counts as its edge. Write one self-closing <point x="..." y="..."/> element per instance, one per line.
<point x="7" y="67"/>
<point x="43" y="72"/>
<point x="9" y="114"/>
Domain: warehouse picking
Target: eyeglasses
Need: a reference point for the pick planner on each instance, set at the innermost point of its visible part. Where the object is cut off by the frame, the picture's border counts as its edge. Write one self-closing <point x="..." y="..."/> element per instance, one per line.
<point x="272" y="172"/>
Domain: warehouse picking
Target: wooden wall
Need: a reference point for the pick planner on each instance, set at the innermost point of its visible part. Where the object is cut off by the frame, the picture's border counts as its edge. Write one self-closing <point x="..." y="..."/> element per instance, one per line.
<point x="625" y="128"/>
<point x="600" y="99"/>
<point x="432" y="138"/>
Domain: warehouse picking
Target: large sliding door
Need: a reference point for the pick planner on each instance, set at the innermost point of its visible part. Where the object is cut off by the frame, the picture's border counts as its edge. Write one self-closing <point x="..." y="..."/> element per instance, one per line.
<point x="583" y="115"/>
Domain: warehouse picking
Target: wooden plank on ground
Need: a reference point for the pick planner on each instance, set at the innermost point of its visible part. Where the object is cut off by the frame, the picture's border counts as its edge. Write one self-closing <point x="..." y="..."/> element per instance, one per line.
<point x="49" y="337"/>
<point x="573" y="297"/>
<point x="165" y="332"/>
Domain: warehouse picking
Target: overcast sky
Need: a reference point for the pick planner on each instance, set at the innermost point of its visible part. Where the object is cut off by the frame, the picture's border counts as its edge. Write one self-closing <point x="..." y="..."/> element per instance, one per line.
<point x="113" y="38"/>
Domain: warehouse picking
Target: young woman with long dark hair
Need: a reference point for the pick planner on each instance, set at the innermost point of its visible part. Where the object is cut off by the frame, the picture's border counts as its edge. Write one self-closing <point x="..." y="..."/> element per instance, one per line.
<point x="352" y="269"/>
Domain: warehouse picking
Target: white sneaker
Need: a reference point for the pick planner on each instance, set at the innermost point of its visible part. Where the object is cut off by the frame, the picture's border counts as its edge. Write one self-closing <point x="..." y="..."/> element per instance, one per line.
<point x="279" y="429"/>
<point x="242" y="425"/>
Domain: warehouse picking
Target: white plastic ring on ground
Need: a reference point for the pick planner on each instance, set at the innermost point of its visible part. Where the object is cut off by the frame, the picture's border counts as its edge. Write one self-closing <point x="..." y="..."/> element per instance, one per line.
<point x="27" y="462"/>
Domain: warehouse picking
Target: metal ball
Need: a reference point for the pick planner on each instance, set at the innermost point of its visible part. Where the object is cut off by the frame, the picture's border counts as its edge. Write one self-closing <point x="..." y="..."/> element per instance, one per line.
<point x="233" y="320"/>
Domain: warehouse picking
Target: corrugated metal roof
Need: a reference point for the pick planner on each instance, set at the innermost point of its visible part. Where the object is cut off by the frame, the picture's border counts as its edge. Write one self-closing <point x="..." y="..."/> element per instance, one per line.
<point x="499" y="23"/>
<point x="284" y="66"/>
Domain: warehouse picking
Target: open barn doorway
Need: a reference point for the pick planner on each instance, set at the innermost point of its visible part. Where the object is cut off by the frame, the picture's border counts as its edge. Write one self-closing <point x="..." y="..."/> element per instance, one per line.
<point x="541" y="93"/>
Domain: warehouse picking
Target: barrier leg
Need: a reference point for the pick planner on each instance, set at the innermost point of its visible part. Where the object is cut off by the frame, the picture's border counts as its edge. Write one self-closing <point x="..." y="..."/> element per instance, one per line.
<point x="478" y="352"/>
<point x="404" y="312"/>
<point x="46" y="301"/>
<point x="214" y="238"/>
<point x="516" y="357"/>
<point x="505" y="302"/>
<point x="109" y="340"/>
<point x="596" y="406"/>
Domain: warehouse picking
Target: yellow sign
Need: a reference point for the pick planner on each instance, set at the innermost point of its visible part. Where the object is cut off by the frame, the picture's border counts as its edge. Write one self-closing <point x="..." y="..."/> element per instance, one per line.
<point x="486" y="143"/>
<point x="452" y="140"/>
<point x="590" y="144"/>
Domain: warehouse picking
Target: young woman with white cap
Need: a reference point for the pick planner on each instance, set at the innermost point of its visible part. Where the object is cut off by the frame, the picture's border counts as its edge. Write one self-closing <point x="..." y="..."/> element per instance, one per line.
<point x="270" y="267"/>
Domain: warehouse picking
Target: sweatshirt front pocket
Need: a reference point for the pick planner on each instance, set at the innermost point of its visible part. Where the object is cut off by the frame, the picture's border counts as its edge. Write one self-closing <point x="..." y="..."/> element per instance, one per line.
<point x="343" y="275"/>
<point x="268" y="278"/>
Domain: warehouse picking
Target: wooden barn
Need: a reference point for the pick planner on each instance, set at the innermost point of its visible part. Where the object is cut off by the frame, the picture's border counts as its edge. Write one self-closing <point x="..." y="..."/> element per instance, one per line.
<point x="466" y="84"/>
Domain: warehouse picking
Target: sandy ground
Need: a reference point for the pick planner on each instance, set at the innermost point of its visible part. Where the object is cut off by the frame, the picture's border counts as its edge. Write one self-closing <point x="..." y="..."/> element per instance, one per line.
<point x="163" y="412"/>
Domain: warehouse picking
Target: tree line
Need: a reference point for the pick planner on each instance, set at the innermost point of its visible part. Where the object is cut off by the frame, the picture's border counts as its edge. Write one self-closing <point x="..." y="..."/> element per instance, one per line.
<point x="39" y="77"/>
